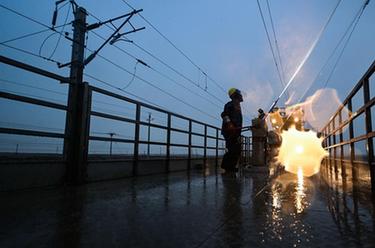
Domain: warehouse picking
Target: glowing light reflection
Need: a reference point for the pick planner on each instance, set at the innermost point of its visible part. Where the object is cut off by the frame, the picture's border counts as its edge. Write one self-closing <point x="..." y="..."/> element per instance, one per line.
<point x="300" y="192"/>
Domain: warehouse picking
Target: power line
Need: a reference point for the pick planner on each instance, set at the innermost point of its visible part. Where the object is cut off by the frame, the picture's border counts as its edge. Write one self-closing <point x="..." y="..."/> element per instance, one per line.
<point x="115" y="105"/>
<point x="129" y="93"/>
<point x="336" y="48"/>
<point x="352" y="24"/>
<point x="24" y="16"/>
<point x="177" y="72"/>
<point x="22" y="125"/>
<point x="107" y="111"/>
<point x="32" y="95"/>
<point x="147" y="82"/>
<point x="276" y="44"/>
<point x="63" y="28"/>
<point x="306" y="56"/>
<point x="355" y="20"/>
<point x="270" y="44"/>
<point x="153" y="85"/>
<point x="43" y="42"/>
<point x="160" y="61"/>
<point x="39" y="23"/>
<point x="124" y="91"/>
<point x="31" y="53"/>
<point x="133" y="76"/>
<point x="33" y="33"/>
<point x="8" y="142"/>
<point x="183" y="86"/>
<point x="119" y="89"/>
<point x="32" y="87"/>
<point x="156" y="87"/>
<point x="178" y="49"/>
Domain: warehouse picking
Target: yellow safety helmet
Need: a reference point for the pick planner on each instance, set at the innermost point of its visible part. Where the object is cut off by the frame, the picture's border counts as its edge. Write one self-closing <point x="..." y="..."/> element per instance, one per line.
<point x="232" y="91"/>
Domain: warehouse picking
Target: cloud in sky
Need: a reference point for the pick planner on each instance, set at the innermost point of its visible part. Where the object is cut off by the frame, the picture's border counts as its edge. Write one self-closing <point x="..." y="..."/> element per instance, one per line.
<point x="257" y="95"/>
<point x="255" y="72"/>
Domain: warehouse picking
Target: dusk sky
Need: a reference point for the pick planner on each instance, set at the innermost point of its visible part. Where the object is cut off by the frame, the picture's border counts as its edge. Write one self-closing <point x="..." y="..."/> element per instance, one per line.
<point x="225" y="39"/>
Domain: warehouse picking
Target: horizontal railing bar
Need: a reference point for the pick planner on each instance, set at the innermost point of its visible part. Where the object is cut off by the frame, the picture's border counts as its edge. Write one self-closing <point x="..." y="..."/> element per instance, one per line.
<point x="108" y="93"/>
<point x="32" y="100"/>
<point x="211" y="147"/>
<point x="179" y="130"/>
<point x="367" y="75"/>
<point x="211" y="137"/>
<point x="108" y="139"/>
<point x="356" y="139"/>
<point x="30" y="132"/>
<point x="124" y="98"/>
<point x="98" y="138"/>
<point x="197" y="134"/>
<point x="33" y="69"/>
<point x="359" y="112"/>
<point x="111" y="160"/>
<point x="112" y="117"/>
<point x="196" y="146"/>
<point x="152" y="143"/>
<point x="348" y="160"/>
<point x="179" y="145"/>
<point x="153" y="125"/>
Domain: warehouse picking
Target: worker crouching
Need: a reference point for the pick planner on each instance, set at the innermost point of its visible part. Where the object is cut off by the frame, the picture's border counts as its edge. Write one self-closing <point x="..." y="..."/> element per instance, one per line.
<point x="231" y="130"/>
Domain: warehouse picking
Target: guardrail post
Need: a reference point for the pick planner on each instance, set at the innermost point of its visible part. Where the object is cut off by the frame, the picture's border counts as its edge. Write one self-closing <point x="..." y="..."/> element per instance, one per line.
<point x="352" y="157"/>
<point x="136" y="139"/>
<point x="343" y="167"/>
<point x="248" y="150"/>
<point x="334" y="142"/>
<point x="370" y="151"/>
<point x="168" y="160"/>
<point x="351" y="131"/>
<point x="217" y="149"/>
<point x="205" y="146"/>
<point x="190" y="143"/>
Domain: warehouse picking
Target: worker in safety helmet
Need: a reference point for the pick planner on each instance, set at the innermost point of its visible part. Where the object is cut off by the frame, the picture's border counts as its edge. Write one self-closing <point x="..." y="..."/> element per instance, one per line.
<point x="231" y="130"/>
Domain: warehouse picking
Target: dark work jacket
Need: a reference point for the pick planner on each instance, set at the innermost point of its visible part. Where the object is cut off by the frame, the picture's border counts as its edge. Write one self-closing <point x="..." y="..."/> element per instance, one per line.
<point x="235" y="115"/>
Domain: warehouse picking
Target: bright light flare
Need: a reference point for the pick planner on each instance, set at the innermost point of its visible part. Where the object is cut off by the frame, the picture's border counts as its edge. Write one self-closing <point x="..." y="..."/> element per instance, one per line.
<point x="301" y="151"/>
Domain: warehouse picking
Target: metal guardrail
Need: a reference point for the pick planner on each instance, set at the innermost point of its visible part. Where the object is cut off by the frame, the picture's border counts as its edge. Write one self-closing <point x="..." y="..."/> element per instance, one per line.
<point x="246" y="151"/>
<point x="338" y="125"/>
<point x="136" y="121"/>
<point x="168" y="127"/>
<point x="31" y="100"/>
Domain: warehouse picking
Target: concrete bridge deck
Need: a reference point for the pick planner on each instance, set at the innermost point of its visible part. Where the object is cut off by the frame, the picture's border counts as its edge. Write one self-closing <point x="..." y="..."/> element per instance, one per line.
<point x="200" y="209"/>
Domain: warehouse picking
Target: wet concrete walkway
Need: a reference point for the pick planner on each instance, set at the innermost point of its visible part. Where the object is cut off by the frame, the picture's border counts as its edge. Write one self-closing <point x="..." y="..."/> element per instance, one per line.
<point x="196" y="210"/>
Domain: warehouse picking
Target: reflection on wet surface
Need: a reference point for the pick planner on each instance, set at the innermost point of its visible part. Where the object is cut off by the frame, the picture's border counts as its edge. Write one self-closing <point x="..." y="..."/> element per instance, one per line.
<point x="200" y="209"/>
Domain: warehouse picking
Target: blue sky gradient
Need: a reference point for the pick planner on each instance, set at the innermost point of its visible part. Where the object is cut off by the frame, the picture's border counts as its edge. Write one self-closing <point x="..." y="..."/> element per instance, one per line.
<point x="224" y="38"/>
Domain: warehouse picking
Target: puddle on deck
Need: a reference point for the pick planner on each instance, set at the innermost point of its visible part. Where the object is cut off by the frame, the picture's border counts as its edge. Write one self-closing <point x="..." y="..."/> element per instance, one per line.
<point x="331" y="209"/>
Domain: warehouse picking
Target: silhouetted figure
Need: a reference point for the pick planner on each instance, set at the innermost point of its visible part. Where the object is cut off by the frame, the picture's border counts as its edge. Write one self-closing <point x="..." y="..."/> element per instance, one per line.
<point x="259" y="135"/>
<point x="231" y="130"/>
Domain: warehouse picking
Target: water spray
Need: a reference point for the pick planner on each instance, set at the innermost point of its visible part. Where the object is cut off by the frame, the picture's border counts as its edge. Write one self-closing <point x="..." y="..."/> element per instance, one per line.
<point x="299" y="66"/>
